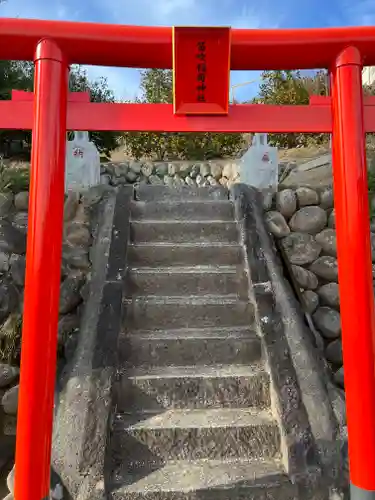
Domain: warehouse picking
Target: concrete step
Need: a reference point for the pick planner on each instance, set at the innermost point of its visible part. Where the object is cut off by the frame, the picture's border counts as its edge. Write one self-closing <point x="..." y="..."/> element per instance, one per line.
<point x="165" y="193"/>
<point x="153" y="312"/>
<point x="205" y="480"/>
<point x="197" y="346"/>
<point x="198" y="280"/>
<point x="184" y="232"/>
<point x="193" y="387"/>
<point x="182" y="210"/>
<point x="167" y="254"/>
<point x="216" y="434"/>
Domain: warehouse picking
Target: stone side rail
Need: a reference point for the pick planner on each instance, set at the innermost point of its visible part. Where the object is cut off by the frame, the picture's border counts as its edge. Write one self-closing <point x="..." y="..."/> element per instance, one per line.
<point x="84" y="402"/>
<point x="313" y="444"/>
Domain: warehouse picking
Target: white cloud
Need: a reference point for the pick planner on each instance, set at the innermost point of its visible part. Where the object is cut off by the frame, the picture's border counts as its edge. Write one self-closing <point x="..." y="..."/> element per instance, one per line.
<point x="248" y="18"/>
<point x="167" y="8"/>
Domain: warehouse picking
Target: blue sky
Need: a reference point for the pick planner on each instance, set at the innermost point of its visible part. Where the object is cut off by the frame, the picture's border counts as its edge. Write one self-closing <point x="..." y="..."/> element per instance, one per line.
<point x="235" y="13"/>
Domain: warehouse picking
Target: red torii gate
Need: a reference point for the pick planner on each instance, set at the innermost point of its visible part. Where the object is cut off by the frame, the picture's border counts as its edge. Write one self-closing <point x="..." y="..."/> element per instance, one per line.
<point x="55" y="45"/>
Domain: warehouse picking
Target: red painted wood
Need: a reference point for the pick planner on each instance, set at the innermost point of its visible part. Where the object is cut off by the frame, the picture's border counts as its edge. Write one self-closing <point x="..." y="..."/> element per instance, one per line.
<point x="201" y="64"/>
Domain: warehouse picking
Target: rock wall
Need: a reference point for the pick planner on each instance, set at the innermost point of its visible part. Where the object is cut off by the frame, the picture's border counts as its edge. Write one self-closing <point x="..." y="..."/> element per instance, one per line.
<point x="174" y="174"/>
<point x="177" y="173"/>
<point x="75" y="274"/>
<point x="303" y="220"/>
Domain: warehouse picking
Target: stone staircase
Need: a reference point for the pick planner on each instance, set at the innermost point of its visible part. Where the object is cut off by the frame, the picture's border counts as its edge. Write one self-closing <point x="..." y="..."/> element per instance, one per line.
<point x="193" y="417"/>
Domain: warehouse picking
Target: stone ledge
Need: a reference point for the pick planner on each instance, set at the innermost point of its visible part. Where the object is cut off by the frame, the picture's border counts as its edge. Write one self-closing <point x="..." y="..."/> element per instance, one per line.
<point x="298" y="374"/>
<point x="84" y="401"/>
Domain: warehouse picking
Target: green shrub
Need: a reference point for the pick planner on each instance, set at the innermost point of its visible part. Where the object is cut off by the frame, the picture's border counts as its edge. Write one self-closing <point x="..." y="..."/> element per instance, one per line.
<point x="14" y="179"/>
<point x="157" y="87"/>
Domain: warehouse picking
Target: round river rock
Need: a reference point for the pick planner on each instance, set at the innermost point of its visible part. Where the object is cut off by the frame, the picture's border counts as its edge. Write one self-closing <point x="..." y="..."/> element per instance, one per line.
<point x="301" y="248"/>
<point x="327" y="240"/>
<point x="311" y="300"/>
<point x="327" y="320"/>
<point x="307" y="196"/>
<point x="277" y="224"/>
<point x="306" y="279"/>
<point x="329" y="295"/>
<point x="308" y="220"/>
<point x="326" y="267"/>
<point x="286" y="202"/>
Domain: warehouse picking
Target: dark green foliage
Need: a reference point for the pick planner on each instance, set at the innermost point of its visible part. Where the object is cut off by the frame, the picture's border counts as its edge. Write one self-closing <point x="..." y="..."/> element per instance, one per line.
<point x="19" y="75"/>
<point x="157" y="87"/>
<point x="290" y="87"/>
<point x="100" y="92"/>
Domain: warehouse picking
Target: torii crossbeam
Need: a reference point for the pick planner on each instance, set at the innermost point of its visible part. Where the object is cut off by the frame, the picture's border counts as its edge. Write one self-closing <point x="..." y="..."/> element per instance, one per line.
<point x="53" y="46"/>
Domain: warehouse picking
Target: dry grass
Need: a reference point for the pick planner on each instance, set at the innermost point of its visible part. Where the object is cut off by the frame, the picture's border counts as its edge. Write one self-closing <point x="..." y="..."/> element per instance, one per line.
<point x="301" y="155"/>
<point x="10" y="339"/>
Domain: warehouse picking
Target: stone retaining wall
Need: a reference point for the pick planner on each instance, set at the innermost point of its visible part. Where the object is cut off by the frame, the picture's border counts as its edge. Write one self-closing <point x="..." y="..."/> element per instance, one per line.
<point x="75" y="274"/>
<point x="303" y="219"/>
<point x="175" y="174"/>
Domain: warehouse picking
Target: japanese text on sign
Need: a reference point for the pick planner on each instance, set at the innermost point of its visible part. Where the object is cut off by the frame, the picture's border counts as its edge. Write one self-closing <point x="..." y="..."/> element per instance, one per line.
<point x="201" y="65"/>
<point x="78" y="152"/>
<point x="201" y="71"/>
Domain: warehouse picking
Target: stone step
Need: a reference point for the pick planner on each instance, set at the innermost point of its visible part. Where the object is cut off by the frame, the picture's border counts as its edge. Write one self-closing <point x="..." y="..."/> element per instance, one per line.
<point x="182" y="210"/>
<point x="184" y="232"/>
<point x="198" y="280"/>
<point x="205" y="480"/>
<point x="194" y="387"/>
<point x="216" y="434"/>
<point x="165" y="193"/>
<point x="197" y="346"/>
<point x="150" y="312"/>
<point x="167" y="254"/>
